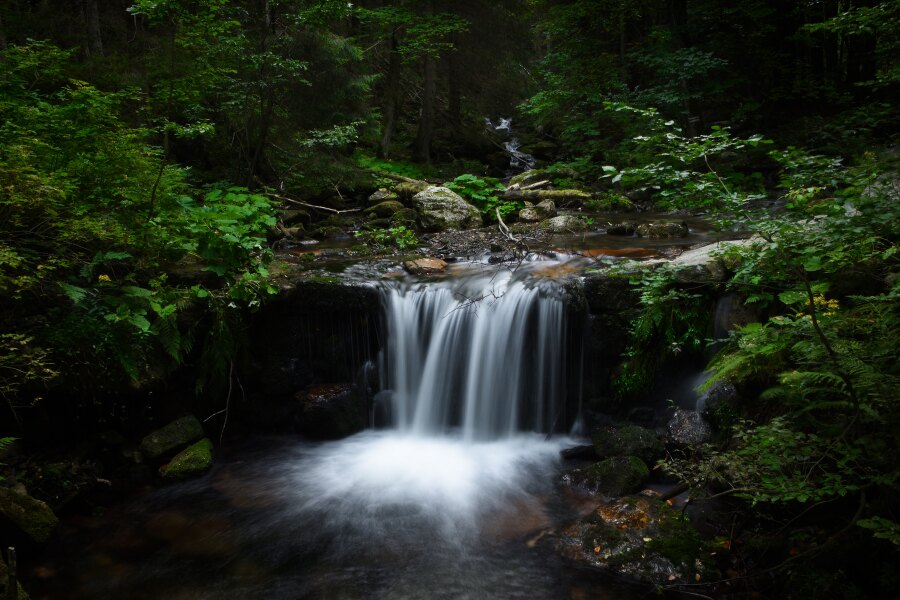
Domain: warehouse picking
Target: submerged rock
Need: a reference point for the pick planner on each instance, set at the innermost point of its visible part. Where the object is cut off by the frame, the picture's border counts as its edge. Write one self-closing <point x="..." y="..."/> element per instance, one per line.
<point x="330" y="411"/>
<point x="27" y="516"/>
<point x="176" y="435"/>
<point x="440" y="208"/>
<point x="190" y="462"/>
<point x="665" y="229"/>
<point x="425" y="266"/>
<point x="614" y="476"/>
<point x="630" y="440"/>
<point x="640" y="538"/>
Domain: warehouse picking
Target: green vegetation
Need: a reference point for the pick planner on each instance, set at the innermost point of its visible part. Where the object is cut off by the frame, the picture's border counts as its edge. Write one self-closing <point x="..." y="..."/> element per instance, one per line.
<point x="485" y="194"/>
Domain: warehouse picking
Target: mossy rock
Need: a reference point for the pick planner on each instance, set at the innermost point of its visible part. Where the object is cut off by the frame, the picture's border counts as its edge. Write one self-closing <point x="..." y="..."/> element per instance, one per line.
<point x="385" y="209"/>
<point x="190" y="462"/>
<point x="4" y="584"/>
<point x="27" y="515"/>
<point x="615" y="476"/>
<point x="171" y="438"/>
<point x="663" y="230"/>
<point x="295" y="218"/>
<point x="406" y="217"/>
<point x="564" y="224"/>
<point x="383" y="195"/>
<point x="326" y="231"/>
<point x="406" y="190"/>
<point x="630" y="440"/>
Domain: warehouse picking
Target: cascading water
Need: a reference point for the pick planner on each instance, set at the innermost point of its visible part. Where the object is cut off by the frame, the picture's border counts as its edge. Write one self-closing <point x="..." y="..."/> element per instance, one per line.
<point x="518" y="159"/>
<point x="484" y="354"/>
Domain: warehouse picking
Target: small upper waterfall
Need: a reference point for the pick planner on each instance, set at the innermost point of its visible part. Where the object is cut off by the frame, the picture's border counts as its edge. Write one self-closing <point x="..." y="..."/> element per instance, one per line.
<point x="484" y="353"/>
<point x="518" y="159"/>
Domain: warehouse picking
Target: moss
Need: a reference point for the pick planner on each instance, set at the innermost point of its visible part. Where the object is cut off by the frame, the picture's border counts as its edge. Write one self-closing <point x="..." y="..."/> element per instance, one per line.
<point x="172" y="437"/>
<point x="617" y="476"/>
<point x="32" y="517"/>
<point x="190" y="462"/>
<point x="630" y="440"/>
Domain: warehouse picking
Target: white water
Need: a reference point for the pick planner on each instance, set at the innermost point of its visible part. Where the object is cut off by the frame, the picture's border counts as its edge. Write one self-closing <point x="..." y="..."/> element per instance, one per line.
<point x="485" y="354"/>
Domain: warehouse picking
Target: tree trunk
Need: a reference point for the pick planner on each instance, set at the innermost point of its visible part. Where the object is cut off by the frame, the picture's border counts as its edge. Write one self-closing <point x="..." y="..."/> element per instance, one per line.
<point x="2" y="36"/>
<point x="94" y="43"/>
<point x="422" y="150"/>
<point x="391" y="97"/>
<point x="454" y="95"/>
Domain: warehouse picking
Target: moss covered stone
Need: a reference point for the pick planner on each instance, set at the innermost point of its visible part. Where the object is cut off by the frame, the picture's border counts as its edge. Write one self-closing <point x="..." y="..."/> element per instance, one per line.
<point x="30" y="517"/>
<point x="171" y="438"/>
<point x="630" y="440"/>
<point x="385" y="209"/>
<point x="616" y="476"/>
<point x="190" y="462"/>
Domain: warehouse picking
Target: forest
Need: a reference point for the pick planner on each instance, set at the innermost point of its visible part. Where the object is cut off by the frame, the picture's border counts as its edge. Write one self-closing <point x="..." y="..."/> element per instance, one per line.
<point x="171" y="170"/>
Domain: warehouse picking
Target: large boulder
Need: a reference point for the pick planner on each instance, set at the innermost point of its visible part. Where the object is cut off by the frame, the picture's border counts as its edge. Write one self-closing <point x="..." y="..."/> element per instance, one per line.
<point x="441" y="208"/>
<point x="406" y="190"/>
<point x="190" y="462"/>
<point x="630" y="440"/>
<point x="687" y="428"/>
<point x="330" y="411"/>
<point x="616" y="476"/>
<point x="27" y="517"/>
<point x="175" y="436"/>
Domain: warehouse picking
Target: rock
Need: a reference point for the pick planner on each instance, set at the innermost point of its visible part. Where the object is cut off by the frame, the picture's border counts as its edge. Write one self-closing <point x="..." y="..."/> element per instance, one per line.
<point x="330" y="411"/>
<point x="406" y="217"/>
<point x="639" y="538"/>
<point x="616" y="476"/>
<point x="630" y="440"/>
<point x="705" y="262"/>
<point x="687" y="428"/>
<point x="4" y="584"/>
<point x="425" y="266"/>
<point x="664" y="229"/>
<point x="383" y="195"/>
<point x="385" y="209"/>
<point x="406" y="190"/>
<point x="585" y="451"/>
<point x="563" y="224"/>
<point x="535" y="213"/>
<point x="621" y="229"/>
<point x="27" y="516"/>
<point x="719" y="405"/>
<point x="530" y="215"/>
<point x="190" y="462"/>
<point x="527" y="178"/>
<point x="294" y="218"/>
<point x="547" y="207"/>
<point x="173" y="437"/>
<point x="440" y="208"/>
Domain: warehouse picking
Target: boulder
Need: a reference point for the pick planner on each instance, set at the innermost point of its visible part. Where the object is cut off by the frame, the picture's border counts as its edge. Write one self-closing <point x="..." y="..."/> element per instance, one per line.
<point x="440" y="208"/>
<point x="630" y="440"/>
<point x="662" y="229"/>
<point x="190" y="462"/>
<point x="425" y="266"/>
<point x="563" y="224"/>
<point x="687" y="428"/>
<point x="706" y="263"/>
<point x="295" y="218"/>
<point x="28" y="517"/>
<point x="385" y="209"/>
<point x="543" y="210"/>
<point x="616" y="476"/>
<point x="383" y="195"/>
<point x="639" y="538"/>
<point x="175" y="436"/>
<point x="406" y="190"/>
<point x="330" y="411"/>
<point x="719" y="405"/>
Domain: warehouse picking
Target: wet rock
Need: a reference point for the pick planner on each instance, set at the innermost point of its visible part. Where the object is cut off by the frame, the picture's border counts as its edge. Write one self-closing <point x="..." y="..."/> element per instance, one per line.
<point x="25" y="517"/>
<point x="425" y="266"/>
<point x="406" y="190"/>
<point x="719" y="405"/>
<point x="539" y="212"/>
<point x="563" y="224"/>
<point x="440" y="208"/>
<point x="383" y="195"/>
<point x="630" y="440"/>
<point x="4" y="584"/>
<point x="385" y="209"/>
<point x="330" y="411"/>
<point x="616" y="476"/>
<point x="661" y="230"/>
<point x="622" y="229"/>
<point x="640" y="538"/>
<point x="687" y="428"/>
<point x="193" y="461"/>
<point x="706" y="263"/>
<point x="171" y="438"/>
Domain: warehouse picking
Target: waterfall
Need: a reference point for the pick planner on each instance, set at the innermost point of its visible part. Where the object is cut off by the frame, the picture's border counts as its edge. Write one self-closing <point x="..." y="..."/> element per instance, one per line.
<point x="485" y="354"/>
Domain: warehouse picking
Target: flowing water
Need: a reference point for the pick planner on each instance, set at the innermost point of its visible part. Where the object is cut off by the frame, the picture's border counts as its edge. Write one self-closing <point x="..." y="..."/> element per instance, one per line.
<point x="456" y="499"/>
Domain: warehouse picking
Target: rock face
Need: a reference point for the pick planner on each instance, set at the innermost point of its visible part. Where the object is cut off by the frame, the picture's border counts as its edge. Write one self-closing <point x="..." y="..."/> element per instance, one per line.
<point x="330" y="411"/>
<point x="687" y="428"/>
<point x="639" y="538"/>
<point x="630" y="440"/>
<point x="425" y="266"/>
<point x="190" y="462"/>
<point x="563" y="224"/>
<point x="616" y="476"/>
<point x="174" y="436"/>
<point x="440" y="208"/>
<point x="28" y="517"/>
<point x="662" y="230"/>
